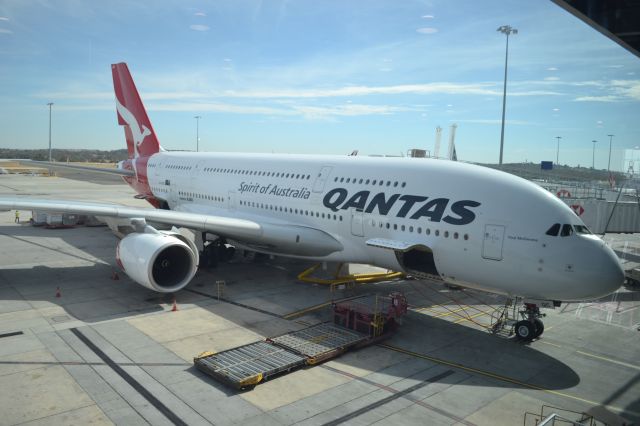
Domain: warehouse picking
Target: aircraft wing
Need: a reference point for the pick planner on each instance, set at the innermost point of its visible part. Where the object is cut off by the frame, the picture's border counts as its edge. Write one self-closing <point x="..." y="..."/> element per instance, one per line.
<point x="283" y="238"/>
<point x="55" y="165"/>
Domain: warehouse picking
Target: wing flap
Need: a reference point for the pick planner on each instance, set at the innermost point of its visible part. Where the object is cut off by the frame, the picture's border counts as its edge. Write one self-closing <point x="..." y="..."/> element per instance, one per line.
<point x="390" y="244"/>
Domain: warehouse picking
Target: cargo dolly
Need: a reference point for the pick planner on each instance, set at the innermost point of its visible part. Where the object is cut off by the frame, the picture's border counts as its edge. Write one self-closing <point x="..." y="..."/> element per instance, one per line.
<point x="356" y="323"/>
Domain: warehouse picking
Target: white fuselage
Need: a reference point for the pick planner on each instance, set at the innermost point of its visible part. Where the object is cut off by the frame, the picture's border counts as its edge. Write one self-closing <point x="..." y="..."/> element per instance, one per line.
<point x="486" y="229"/>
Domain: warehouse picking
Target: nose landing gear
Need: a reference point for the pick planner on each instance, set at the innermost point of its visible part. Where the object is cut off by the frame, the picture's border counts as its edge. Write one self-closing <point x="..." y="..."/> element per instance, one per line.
<point x="531" y="326"/>
<point x="525" y="323"/>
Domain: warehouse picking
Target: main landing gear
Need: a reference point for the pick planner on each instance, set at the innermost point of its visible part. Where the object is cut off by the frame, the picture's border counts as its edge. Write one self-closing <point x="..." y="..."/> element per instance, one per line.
<point x="524" y="322"/>
<point x="216" y="251"/>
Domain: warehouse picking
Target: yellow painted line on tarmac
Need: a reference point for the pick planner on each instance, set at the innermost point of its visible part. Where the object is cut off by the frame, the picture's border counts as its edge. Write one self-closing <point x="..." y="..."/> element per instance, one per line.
<point x="316" y="307"/>
<point x="446" y="314"/>
<point x="468" y="307"/>
<point x="468" y="318"/>
<point x="501" y="378"/>
<point x="624" y="364"/>
<point x="429" y="310"/>
<point x="455" y="312"/>
<point x="306" y="310"/>
<point x="549" y="343"/>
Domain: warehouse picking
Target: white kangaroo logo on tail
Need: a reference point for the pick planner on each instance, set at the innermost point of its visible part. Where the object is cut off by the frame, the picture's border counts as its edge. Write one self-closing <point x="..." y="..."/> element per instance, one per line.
<point x="138" y="132"/>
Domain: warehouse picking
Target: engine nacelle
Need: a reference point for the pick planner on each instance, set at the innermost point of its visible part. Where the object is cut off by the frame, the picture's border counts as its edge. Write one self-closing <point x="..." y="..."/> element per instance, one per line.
<point x="161" y="261"/>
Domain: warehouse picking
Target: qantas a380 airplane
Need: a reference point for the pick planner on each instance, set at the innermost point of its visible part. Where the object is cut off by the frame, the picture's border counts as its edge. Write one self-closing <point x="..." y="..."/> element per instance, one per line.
<point x="467" y="225"/>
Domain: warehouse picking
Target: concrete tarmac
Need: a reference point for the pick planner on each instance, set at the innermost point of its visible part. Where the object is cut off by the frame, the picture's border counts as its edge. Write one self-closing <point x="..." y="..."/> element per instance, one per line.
<point x="112" y="352"/>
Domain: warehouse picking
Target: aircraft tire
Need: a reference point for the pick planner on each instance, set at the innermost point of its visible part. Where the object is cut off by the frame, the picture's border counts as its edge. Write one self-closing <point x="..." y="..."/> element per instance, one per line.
<point x="525" y="330"/>
<point x="539" y="326"/>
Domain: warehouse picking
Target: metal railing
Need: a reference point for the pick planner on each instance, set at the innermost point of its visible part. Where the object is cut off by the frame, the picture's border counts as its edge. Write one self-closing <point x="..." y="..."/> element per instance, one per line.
<point x="551" y="416"/>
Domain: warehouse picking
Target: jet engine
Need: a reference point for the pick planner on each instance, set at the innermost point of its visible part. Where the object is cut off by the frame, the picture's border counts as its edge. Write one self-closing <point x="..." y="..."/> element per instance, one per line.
<point x="163" y="261"/>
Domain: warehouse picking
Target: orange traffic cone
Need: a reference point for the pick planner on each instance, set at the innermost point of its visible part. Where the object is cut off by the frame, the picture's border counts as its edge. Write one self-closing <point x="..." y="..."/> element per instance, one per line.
<point x="174" y="308"/>
<point x="58" y="292"/>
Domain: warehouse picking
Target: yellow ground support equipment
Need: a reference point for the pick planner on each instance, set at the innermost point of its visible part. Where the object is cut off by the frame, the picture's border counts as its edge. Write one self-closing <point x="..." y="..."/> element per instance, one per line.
<point x="338" y="279"/>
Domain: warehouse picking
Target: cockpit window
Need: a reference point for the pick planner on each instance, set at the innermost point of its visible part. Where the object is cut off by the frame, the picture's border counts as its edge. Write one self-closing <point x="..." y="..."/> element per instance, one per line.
<point x="581" y="229"/>
<point x="566" y="231"/>
<point x="553" y="231"/>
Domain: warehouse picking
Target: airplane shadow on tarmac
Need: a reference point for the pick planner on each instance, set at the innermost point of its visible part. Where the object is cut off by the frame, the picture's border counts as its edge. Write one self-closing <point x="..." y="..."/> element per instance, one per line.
<point x="89" y="294"/>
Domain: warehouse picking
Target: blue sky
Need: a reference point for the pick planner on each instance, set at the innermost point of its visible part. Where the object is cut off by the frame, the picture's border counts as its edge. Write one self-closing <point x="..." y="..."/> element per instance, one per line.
<point x="331" y="76"/>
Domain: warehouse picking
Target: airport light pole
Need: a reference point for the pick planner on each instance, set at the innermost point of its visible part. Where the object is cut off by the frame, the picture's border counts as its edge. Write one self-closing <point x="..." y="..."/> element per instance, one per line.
<point x="558" y="151"/>
<point x="508" y="30"/>
<point x="593" y="159"/>
<point x="50" y="105"/>
<point x="197" y="117"/>
<point x="610" y="142"/>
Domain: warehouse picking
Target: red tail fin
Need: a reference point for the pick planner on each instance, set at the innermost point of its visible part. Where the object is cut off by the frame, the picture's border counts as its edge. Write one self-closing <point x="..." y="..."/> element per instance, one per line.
<point x="141" y="138"/>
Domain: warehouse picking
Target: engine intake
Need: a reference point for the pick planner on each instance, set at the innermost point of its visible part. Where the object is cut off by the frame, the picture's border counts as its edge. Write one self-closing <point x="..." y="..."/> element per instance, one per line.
<point x="160" y="261"/>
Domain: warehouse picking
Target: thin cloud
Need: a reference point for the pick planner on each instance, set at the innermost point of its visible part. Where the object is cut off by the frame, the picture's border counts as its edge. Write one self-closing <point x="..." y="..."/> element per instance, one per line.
<point x="606" y="98"/>
<point x="74" y="95"/>
<point x="199" y="14"/>
<point x="5" y="31"/>
<point x="349" y="110"/>
<point x="307" y="112"/>
<point x="3" y="18"/>
<point x="85" y="107"/>
<point x="535" y="93"/>
<point x="627" y="88"/>
<point x="427" y="16"/>
<point x="218" y="107"/>
<point x="552" y="78"/>
<point x="427" y="30"/>
<point x="419" y="89"/>
<point x="80" y="95"/>
<point x="495" y="121"/>
<point x="198" y="27"/>
<point x="80" y="100"/>
<point x="552" y="69"/>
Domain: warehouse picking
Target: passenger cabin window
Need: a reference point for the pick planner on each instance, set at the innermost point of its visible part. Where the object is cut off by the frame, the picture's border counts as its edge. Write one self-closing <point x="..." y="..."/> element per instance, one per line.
<point x="553" y="231"/>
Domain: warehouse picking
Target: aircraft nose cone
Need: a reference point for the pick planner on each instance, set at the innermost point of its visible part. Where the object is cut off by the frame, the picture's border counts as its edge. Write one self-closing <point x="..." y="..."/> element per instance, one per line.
<point x="609" y="275"/>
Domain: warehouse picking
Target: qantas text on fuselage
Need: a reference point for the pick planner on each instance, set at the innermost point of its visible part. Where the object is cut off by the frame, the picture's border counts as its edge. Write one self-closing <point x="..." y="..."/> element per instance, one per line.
<point x="418" y="205"/>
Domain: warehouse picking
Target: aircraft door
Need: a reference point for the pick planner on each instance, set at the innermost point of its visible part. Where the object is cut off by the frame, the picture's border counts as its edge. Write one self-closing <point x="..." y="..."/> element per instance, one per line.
<point x="195" y="173"/>
<point x="357" y="223"/>
<point x="492" y="243"/>
<point x="173" y="193"/>
<point x="158" y="168"/>
<point x="321" y="179"/>
<point x="231" y="200"/>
